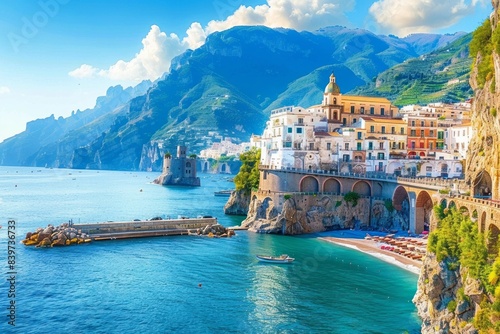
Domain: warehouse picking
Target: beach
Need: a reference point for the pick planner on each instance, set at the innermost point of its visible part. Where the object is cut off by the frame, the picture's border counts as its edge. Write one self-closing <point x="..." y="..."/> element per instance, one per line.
<point x="355" y="239"/>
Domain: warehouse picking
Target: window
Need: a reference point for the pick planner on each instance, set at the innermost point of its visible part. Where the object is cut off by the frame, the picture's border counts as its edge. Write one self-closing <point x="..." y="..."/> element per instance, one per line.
<point x="358" y="147"/>
<point x="402" y="131"/>
<point x="412" y="123"/>
<point x="299" y="130"/>
<point x="381" y="145"/>
<point x="352" y="109"/>
<point x="301" y="121"/>
<point x="422" y="133"/>
<point x="370" y="145"/>
<point x="344" y="121"/>
<point x="393" y="130"/>
<point x="440" y="135"/>
<point x="380" y="156"/>
<point x="372" y="110"/>
<point x="422" y="123"/>
<point x="328" y="146"/>
<point x="431" y="145"/>
<point x="311" y="146"/>
<point x="383" y="129"/>
<point x="431" y="133"/>
<point x="345" y="158"/>
<point x="354" y="120"/>
<point x="413" y="145"/>
<point x="432" y="124"/>
<point x="428" y="168"/>
<point x="372" y="129"/>
<point x="413" y="133"/>
<point x="347" y="146"/>
<point x="360" y="135"/>
<point x="422" y="144"/>
<point x="288" y="144"/>
<point x="289" y="130"/>
<point x="382" y="111"/>
<point x="362" y="110"/>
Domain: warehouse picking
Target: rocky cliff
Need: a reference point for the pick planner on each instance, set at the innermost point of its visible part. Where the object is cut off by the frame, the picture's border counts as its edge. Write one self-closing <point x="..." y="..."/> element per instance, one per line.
<point x="448" y="299"/>
<point x="446" y="302"/>
<point x="301" y="214"/>
<point x="238" y="203"/>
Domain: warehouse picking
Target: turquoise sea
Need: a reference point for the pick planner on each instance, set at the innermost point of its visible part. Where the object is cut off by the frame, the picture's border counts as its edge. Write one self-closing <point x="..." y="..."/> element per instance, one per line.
<point x="153" y="285"/>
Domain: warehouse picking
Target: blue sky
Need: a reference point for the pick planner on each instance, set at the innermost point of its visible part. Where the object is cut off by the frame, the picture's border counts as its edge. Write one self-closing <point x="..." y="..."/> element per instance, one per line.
<point x="59" y="55"/>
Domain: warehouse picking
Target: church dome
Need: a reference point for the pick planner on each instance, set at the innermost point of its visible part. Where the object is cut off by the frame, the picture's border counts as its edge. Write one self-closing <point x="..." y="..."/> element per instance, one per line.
<point x="332" y="86"/>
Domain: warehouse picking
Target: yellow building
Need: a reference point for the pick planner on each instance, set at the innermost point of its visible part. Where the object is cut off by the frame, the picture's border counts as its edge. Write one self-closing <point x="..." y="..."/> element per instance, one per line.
<point x="348" y="109"/>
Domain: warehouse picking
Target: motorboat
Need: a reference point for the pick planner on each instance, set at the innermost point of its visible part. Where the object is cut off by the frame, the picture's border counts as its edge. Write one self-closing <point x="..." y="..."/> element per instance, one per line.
<point x="275" y="259"/>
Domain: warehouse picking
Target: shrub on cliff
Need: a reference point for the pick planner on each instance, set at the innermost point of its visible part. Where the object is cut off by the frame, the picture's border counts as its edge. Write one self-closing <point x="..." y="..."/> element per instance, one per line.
<point x="457" y="239"/>
<point x="248" y="176"/>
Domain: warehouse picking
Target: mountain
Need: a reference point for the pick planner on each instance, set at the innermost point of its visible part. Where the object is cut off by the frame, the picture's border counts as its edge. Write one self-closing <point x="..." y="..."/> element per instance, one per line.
<point x="441" y="75"/>
<point x="426" y="43"/>
<point x="225" y="88"/>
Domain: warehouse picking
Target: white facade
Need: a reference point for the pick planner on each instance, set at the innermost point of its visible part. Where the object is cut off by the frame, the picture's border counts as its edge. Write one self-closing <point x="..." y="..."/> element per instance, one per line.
<point x="457" y="139"/>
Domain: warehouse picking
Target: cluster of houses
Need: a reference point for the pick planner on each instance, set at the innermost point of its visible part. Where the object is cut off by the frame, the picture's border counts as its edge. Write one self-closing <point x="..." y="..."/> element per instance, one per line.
<point x="360" y="134"/>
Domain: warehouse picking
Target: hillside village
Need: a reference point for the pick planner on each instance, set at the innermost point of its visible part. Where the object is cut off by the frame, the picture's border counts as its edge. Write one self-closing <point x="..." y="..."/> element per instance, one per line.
<point x="361" y="134"/>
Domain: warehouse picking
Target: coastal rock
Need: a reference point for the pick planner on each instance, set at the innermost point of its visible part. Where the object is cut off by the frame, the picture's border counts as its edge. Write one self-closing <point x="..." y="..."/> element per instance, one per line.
<point x="237" y="203"/>
<point x="437" y="288"/>
<point x="62" y="235"/>
<point x="301" y="214"/>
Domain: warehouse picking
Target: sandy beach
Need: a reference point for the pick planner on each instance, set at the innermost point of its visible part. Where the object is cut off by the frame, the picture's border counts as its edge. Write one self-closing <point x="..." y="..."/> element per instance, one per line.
<point x="356" y="240"/>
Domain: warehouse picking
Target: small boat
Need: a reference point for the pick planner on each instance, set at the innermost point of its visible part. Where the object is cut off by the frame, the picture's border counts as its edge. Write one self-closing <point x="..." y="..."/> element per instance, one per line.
<point x="275" y="259"/>
<point x="225" y="193"/>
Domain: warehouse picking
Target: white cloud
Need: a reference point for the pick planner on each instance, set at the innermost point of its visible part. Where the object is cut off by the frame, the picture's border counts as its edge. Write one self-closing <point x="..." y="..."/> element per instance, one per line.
<point x="294" y="14"/>
<point x="151" y="62"/>
<point x="4" y="90"/>
<point x="84" y="71"/>
<point x="159" y="48"/>
<point x="402" y="17"/>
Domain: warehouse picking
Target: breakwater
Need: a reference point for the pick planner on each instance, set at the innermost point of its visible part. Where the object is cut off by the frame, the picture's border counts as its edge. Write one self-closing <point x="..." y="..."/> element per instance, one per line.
<point x="70" y="234"/>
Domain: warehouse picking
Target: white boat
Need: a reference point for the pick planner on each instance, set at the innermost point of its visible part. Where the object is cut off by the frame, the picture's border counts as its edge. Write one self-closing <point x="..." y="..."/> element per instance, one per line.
<point x="275" y="259"/>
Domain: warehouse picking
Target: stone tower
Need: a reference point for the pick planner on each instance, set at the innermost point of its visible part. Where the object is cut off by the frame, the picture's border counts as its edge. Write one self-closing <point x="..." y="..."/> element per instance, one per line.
<point x="179" y="170"/>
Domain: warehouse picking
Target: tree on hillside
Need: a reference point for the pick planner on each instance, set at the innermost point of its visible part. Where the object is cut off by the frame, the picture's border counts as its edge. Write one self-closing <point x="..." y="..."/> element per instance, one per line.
<point x="248" y="176"/>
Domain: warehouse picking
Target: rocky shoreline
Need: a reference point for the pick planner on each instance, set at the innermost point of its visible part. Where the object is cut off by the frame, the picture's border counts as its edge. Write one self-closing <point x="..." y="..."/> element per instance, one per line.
<point x="56" y="236"/>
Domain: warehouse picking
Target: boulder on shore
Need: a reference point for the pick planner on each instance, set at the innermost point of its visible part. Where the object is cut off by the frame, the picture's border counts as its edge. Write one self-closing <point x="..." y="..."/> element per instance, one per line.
<point x="62" y="235"/>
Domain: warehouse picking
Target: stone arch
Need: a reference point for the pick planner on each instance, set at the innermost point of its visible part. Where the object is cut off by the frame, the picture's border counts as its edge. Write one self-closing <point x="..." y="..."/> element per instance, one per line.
<point x="452" y="205"/>
<point x="362" y="188"/>
<point x="483" y="185"/>
<point x="223" y="168"/>
<point x="309" y="184"/>
<point x="359" y="169"/>
<point x="206" y="166"/>
<point x="423" y="211"/>
<point x="332" y="185"/>
<point x="188" y="164"/>
<point x="394" y="167"/>
<point x="493" y="239"/>
<point x="482" y="222"/>
<point x="444" y="203"/>
<point x="443" y="169"/>
<point x="377" y="189"/>
<point x="464" y="211"/>
<point x="399" y="196"/>
<point x="474" y="216"/>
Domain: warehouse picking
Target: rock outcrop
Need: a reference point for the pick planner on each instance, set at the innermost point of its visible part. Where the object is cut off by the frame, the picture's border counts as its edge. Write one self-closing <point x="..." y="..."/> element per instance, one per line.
<point x="446" y="299"/>
<point x="301" y="214"/>
<point x="238" y="203"/>
<point x="62" y="235"/>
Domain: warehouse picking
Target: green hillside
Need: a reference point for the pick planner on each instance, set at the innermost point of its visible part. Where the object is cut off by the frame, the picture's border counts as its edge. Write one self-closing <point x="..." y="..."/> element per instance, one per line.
<point x="440" y="76"/>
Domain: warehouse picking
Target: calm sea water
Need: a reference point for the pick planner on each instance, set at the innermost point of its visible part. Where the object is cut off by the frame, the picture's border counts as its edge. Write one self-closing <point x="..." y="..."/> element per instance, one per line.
<point x="152" y="285"/>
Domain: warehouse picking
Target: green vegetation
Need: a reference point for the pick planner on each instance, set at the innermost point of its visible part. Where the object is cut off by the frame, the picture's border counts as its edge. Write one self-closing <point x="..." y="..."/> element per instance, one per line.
<point x="458" y="242"/>
<point x="388" y="205"/>
<point x="168" y="155"/>
<point x="481" y="49"/>
<point x="287" y="196"/>
<point x="452" y="305"/>
<point x="248" y="176"/>
<point x="192" y="156"/>
<point x="442" y="75"/>
<point x="352" y="197"/>
<point x="493" y="112"/>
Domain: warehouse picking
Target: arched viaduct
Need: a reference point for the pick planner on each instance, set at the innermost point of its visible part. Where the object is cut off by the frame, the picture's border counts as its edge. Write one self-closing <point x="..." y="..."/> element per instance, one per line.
<point x="420" y="194"/>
